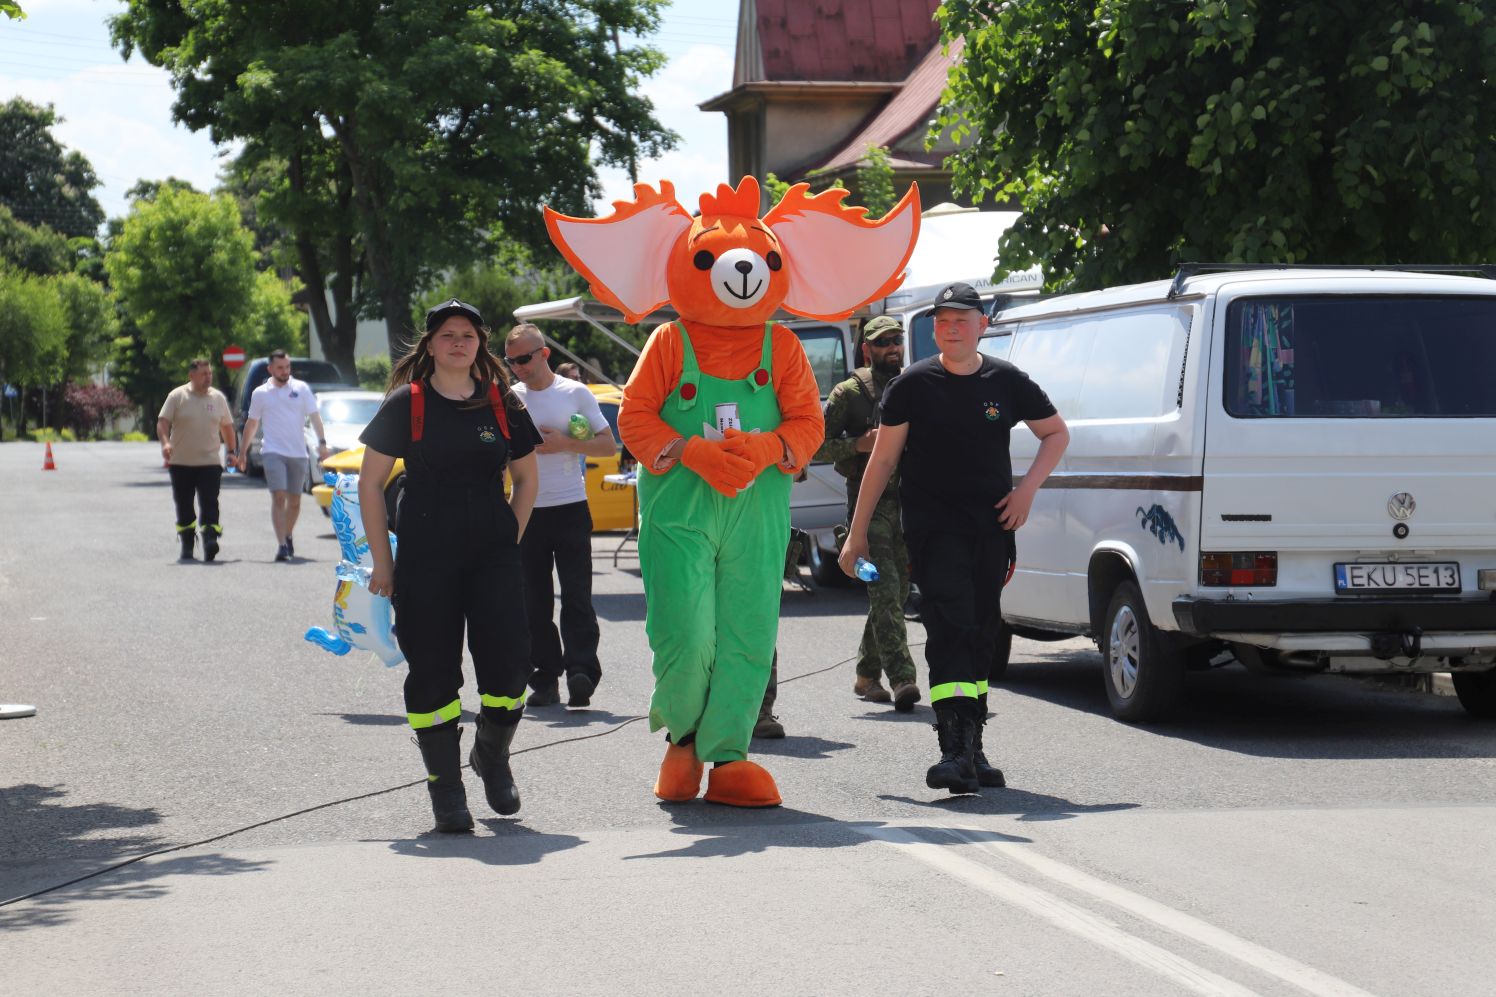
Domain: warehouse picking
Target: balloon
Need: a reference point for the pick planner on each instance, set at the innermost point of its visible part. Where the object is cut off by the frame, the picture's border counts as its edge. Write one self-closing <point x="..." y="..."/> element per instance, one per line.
<point x="360" y="618"/>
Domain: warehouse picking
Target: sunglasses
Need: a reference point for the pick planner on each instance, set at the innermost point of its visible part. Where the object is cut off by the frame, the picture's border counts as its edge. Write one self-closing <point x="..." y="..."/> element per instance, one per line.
<point x="523" y="358"/>
<point x="883" y="341"/>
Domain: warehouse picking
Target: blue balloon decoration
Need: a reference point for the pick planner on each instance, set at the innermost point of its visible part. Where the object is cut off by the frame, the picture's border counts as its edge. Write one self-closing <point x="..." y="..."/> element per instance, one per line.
<point x="360" y="618"/>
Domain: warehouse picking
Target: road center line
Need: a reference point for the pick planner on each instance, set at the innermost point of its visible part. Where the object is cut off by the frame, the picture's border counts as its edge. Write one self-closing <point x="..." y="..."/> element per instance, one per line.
<point x="1290" y="971"/>
<point x="1062" y="913"/>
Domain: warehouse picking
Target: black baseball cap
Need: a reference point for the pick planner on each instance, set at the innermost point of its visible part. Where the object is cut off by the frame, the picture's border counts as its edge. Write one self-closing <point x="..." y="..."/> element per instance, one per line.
<point x="962" y="296"/>
<point x="452" y="306"/>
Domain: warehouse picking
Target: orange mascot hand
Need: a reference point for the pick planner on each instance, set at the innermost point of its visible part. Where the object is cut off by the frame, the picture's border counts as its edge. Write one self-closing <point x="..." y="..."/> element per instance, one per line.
<point x="760" y="449"/>
<point x="726" y="472"/>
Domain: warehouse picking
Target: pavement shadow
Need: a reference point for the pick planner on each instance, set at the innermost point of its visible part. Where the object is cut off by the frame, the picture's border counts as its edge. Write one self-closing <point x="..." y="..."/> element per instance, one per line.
<point x="141" y="881"/>
<point x="799" y="746"/>
<point x="509" y="843"/>
<point x="383" y="719"/>
<point x="822" y="602"/>
<point x="45" y="828"/>
<point x="1011" y="802"/>
<point x="619" y="607"/>
<point x="921" y="714"/>
<point x="563" y="718"/>
<point x="1270" y="716"/>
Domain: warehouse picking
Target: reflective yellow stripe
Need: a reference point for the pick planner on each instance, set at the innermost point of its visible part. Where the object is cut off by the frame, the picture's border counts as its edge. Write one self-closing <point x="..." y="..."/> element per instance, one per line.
<point x="188" y="528"/>
<point x="451" y="711"/>
<point x="950" y="690"/>
<point x="505" y="702"/>
<point x="982" y="688"/>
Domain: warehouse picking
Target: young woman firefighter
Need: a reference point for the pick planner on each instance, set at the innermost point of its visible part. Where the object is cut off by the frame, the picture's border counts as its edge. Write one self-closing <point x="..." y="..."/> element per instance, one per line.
<point x="451" y="415"/>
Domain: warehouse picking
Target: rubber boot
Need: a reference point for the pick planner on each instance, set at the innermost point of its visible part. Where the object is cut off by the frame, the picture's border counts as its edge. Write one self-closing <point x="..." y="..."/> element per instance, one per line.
<point x="188" y="538"/>
<point x="490" y="759"/>
<point x="441" y="750"/>
<point x="956" y="770"/>
<point x="210" y="542"/>
<point x="988" y="775"/>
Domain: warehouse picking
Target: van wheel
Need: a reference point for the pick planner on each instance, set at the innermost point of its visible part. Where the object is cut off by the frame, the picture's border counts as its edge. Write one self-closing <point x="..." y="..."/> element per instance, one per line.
<point x="823" y="567"/>
<point x="1001" y="652"/>
<point x="1144" y="670"/>
<point x="1477" y="692"/>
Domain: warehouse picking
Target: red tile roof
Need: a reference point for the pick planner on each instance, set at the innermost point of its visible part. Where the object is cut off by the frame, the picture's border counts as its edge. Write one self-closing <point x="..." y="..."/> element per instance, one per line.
<point x="844" y="40"/>
<point x="909" y="109"/>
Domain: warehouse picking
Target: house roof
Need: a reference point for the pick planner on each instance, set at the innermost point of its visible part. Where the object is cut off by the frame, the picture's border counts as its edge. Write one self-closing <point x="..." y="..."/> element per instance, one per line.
<point x="847" y="41"/>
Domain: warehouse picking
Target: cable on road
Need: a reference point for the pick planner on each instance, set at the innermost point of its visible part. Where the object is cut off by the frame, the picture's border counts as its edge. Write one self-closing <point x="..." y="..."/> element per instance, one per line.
<point x="352" y="799"/>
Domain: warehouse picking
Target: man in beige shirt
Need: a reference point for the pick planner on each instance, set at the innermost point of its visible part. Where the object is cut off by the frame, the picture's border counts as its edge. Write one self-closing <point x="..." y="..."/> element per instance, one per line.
<point x="193" y="419"/>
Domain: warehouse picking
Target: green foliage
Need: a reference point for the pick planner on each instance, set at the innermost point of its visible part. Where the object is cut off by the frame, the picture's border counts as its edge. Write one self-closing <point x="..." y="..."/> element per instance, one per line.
<point x="33" y="331"/>
<point x="134" y="437"/>
<point x="92" y="324"/>
<point x="12" y="9"/>
<point x="373" y="372"/>
<point x="184" y="269"/>
<point x="875" y="182"/>
<point x="34" y="248"/>
<point x="140" y="375"/>
<point x="1137" y="134"/>
<point x="47" y="434"/>
<point x="776" y="187"/>
<point x="39" y="181"/>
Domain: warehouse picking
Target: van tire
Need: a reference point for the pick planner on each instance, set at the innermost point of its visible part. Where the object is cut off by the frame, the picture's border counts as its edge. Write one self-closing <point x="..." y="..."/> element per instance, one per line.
<point x="1002" y="650"/>
<point x="1477" y="692"/>
<point x="824" y="569"/>
<point x="1142" y="667"/>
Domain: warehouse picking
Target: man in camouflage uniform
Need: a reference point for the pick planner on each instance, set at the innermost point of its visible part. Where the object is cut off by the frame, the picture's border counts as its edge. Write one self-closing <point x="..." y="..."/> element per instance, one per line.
<point x="851" y="428"/>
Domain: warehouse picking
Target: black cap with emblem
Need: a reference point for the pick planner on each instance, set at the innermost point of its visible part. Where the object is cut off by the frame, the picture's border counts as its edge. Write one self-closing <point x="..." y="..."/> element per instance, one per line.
<point x="452" y="306"/>
<point x="962" y="296"/>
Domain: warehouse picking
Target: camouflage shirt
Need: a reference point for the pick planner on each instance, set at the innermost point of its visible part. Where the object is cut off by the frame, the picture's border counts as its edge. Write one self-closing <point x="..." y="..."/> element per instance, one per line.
<point x="851" y="410"/>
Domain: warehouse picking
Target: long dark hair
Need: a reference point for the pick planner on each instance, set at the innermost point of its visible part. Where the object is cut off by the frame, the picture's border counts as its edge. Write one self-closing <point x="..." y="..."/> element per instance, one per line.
<point x="417" y="365"/>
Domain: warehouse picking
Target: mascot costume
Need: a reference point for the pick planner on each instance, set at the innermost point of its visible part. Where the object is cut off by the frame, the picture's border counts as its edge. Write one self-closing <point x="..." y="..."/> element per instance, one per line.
<point x="722" y="411"/>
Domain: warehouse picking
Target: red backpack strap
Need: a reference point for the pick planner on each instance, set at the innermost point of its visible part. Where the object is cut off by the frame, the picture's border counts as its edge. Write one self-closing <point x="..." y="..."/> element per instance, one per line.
<point x="497" y="401"/>
<point x="417" y="411"/>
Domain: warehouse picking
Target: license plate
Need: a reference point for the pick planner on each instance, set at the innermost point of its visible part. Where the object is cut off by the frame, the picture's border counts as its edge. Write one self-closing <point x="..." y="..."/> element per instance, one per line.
<point x="1397" y="577"/>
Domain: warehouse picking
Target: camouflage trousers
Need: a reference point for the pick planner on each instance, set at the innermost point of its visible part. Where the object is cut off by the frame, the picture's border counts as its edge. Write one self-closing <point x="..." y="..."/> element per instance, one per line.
<point x="885" y="641"/>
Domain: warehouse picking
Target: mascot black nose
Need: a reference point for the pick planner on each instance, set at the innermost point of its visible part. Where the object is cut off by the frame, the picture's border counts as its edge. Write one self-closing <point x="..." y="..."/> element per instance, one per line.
<point x="743" y="267"/>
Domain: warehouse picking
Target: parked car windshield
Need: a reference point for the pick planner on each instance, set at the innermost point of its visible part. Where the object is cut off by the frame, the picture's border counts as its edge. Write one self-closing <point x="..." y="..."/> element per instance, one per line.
<point x="827" y="354"/>
<point x="315" y="372"/>
<point x="353" y="411"/>
<point x="1371" y="356"/>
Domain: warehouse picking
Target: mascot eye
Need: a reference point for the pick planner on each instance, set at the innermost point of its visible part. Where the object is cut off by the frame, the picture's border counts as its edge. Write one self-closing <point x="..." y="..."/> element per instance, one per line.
<point x="704" y="260"/>
<point x="773" y="260"/>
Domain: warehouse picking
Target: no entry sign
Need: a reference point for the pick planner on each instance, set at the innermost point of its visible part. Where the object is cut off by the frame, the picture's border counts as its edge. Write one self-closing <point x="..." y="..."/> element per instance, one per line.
<point x="233" y="357"/>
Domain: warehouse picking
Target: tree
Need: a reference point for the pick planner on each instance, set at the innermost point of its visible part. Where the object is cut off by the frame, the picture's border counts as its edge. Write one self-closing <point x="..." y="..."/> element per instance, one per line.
<point x="35" y="249"/>
<point x="875" y="182"/>
<point x="33" y="332"/>
<point x="12" y="10"/>
<point x="1137" y="134"/>
<point x="91" y="322"/>
<point x="40" y="182"/>
<point x="184" y="270"/>
<point x="444" y="122"/>
<point x="91" y="406"/>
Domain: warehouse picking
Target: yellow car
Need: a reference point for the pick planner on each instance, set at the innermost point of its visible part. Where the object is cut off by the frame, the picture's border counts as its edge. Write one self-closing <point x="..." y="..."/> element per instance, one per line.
<point x="611" y="505"/>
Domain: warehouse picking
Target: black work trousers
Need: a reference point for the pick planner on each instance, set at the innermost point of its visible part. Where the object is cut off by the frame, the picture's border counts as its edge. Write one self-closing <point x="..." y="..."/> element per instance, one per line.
<point x="960" y="577"/>
<point x="457" y="566"/>
<point x="559" y="537"/>
<point x="199" y="482"/>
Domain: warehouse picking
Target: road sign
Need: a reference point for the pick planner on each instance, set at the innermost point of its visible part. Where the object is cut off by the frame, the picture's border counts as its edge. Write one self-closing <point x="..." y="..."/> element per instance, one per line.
<point x="233" y="357"/>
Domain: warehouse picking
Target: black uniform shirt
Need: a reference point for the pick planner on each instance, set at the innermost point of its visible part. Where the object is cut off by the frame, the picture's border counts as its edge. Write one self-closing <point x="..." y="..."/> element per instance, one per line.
<point x="956" y="464"/>
<point x="458" y="446"/>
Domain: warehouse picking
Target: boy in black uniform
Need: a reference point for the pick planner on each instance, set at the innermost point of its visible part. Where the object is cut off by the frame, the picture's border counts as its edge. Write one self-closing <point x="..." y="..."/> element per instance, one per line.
<point x="945" y="425"/>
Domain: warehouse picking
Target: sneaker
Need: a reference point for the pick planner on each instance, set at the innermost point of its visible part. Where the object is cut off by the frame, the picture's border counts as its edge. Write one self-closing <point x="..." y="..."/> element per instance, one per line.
<point x="545" y="695"/>
<point x="768" y="726"/>
<point x="580" y="688"/>
<point x="290" y="547"/>
<point x="905" y="695"/>
<point x="283" y="553"/>
<point x="870" y="689"/>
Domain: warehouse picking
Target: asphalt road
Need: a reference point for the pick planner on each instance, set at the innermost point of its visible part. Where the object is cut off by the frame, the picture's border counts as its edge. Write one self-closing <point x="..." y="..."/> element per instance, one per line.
<point x="1318" y="836"/>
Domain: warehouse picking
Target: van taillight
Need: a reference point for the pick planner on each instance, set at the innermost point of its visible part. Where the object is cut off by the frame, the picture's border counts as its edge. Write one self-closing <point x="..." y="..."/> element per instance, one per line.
<point x="1239" y="568"/>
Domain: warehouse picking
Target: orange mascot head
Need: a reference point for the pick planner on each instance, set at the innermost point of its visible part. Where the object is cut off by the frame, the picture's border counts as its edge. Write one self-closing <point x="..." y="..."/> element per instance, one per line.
<point x="810" y="255"/>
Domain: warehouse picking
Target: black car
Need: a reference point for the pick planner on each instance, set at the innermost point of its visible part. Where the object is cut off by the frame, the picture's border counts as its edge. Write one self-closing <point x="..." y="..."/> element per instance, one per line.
<point x="319" y="375"/>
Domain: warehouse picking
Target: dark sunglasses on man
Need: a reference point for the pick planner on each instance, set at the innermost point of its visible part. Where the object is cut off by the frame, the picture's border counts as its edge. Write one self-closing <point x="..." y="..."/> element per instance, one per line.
<point x="883" y="341"/>
<point x="523" y="358"/>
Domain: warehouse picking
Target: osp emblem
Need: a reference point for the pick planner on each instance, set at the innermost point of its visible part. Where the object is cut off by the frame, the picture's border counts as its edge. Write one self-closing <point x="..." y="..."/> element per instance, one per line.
<point x="486" y="434"/>
<point x="1401" y="506"/>
<point x="991" y="411"/>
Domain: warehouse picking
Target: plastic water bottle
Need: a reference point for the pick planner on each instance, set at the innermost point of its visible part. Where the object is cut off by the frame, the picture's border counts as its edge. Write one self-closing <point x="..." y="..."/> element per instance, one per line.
<point x="578" y="428"/>
<point x="866" y="570"/>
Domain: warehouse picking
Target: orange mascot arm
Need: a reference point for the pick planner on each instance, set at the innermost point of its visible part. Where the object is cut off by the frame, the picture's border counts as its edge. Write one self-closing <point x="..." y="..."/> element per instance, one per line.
<point x="654" y="378"/>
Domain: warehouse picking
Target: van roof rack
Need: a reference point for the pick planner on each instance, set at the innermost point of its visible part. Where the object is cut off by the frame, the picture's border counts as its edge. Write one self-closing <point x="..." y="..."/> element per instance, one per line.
<point x="1187" y="270"/>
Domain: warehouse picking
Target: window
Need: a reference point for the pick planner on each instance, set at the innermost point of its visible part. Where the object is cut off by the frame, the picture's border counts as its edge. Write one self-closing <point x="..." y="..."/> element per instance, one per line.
<point x="350" y="411"/>
<point x="827" y="353"/>
<point x="1363" y="356"/>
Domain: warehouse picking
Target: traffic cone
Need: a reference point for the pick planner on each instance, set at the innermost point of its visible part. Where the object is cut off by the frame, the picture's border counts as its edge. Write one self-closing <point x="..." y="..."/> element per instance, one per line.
<point x="49" y="464"/>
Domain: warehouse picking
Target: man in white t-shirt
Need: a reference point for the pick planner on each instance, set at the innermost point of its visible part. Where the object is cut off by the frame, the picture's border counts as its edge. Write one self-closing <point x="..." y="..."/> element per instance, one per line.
<point x="283" y="404"/>
<point x="559" y="534"/>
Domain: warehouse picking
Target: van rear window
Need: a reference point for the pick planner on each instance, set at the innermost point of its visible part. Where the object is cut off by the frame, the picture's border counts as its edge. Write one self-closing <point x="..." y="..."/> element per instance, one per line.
<point x="1371" y="356"/>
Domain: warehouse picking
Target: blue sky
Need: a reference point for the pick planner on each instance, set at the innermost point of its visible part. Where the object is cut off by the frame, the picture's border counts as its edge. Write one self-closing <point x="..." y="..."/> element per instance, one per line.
<point x="118" y="114"/>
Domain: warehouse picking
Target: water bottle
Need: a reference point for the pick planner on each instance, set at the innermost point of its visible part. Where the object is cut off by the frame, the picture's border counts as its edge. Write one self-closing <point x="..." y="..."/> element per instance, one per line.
<point x="578" y="428"/>
<point x="866" y="570"/>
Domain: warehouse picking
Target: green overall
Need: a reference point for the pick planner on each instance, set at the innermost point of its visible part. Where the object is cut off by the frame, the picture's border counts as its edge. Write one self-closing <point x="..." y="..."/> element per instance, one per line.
<point x="713" y="568"/>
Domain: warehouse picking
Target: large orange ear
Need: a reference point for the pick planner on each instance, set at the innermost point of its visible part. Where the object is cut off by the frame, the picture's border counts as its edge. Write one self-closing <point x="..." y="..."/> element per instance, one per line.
<point x="623" y="256"/>
<point x="837" y="260"/>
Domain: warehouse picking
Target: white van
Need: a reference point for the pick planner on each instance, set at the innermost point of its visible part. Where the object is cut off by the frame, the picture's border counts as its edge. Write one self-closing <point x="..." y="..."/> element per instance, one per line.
<point x="1294" y="465"/>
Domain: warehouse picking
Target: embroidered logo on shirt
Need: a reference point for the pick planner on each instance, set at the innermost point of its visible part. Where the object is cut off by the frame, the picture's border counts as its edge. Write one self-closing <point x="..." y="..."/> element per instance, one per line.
<point x="486" y="434"/>
<point x="991" y="411"/>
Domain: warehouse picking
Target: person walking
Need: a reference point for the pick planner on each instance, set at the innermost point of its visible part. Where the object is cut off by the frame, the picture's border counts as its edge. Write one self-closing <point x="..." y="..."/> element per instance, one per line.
<point x="851" y="430"/>
<point x="452" y="417"/>
<point x="193" y="419"/>
<point x="945" y="424"/>
<point x="284" y="404"/>
<point x="558" y="543"/>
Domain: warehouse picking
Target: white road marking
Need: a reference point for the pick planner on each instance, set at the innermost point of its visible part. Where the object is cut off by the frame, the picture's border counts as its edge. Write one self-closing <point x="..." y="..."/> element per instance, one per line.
<point x="1290" y="971"/>
<point x="1062" y="913"/>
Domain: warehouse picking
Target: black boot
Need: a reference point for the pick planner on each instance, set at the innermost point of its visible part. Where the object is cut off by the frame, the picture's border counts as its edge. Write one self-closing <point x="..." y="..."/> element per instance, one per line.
<point x="490" y="759"/>
<point x="441" y="750"/>
<point x="955" y="771"/>
<point x="989" y="776"/>
<point x="188" y="538"/>
<point x="210" y="542"/>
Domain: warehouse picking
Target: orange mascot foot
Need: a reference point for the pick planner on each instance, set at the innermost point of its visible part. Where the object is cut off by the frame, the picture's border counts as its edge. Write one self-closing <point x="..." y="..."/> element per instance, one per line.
<point x="680" y="774"/>
<point x="742" y="784"/>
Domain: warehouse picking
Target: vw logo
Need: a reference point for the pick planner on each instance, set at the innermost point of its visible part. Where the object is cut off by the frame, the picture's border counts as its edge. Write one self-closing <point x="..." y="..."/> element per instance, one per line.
<point x="1401" y="506"/>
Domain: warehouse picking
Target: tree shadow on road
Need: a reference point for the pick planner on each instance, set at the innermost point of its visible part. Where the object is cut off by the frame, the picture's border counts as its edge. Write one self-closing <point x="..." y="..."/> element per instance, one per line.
<point x="799" y="746"/>
<point x="510" y="843"/>
<point x="565" y="719"/>
<point x="37" y="826"/>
